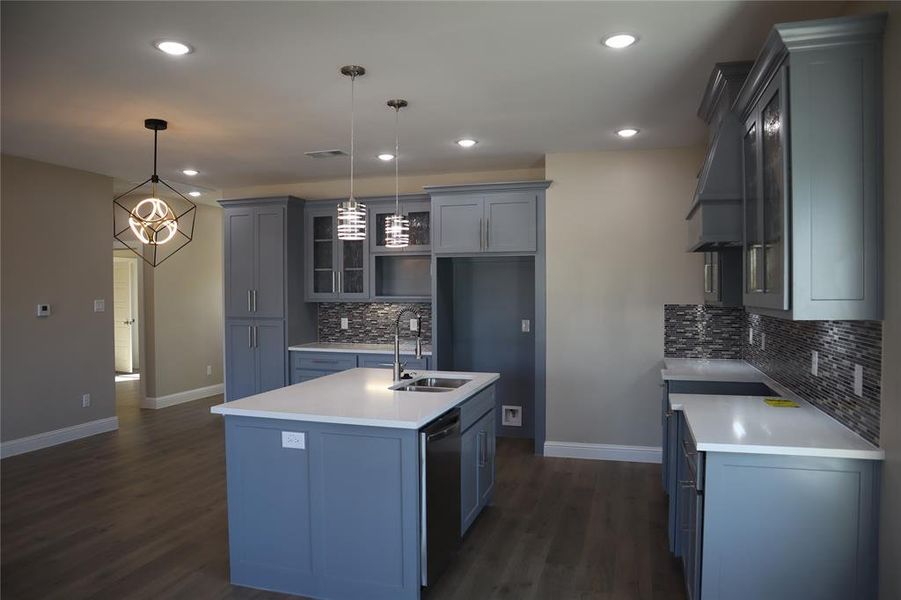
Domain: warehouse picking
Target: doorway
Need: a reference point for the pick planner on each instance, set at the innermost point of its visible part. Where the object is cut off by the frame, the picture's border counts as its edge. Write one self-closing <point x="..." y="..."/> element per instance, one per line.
<point x="125" y="317"/>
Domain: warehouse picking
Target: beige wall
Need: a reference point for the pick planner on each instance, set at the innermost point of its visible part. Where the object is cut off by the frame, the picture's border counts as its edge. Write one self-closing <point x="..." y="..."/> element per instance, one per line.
<point x="616" y="244"/>
<point x="56" y="248"/>
<point x="380" y="186"/>
<point x="183" y="320"/>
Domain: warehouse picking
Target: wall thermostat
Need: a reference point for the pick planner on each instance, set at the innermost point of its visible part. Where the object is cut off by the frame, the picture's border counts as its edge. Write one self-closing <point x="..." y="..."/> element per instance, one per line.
<point x="43" y="310"/>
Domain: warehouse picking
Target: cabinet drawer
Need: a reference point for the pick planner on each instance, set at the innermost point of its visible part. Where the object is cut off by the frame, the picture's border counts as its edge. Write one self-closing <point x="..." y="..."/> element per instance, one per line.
<point x="323" y="361"/>
<point x="473" y="409"/>
<point x="386" y="361"/>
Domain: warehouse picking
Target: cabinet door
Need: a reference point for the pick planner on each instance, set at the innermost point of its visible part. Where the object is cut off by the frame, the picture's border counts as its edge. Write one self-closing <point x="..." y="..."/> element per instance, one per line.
<point x="486" y="462"/>
<point x="239" y="261"/>
<point x="753" y="239"/>
<point x="271" y="354"/>
<point x="240" y="359"/>
<point x="321" y="253"/>
<point x="511" y="222"/>
<point x="418" y="212"/>
<point x="774" y="179"/>
<point x="353" y="276"/>
<point x="458" y="225"/>
<point x="269" y="288"/>
<point x="469" y="477"/>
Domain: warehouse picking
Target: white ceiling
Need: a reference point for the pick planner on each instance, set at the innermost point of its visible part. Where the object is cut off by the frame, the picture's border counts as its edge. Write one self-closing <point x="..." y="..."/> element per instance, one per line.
<point x="263" y="86"/>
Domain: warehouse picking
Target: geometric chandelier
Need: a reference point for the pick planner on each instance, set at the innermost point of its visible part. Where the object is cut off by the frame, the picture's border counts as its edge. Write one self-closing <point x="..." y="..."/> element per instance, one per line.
<point x="152" y="227"/>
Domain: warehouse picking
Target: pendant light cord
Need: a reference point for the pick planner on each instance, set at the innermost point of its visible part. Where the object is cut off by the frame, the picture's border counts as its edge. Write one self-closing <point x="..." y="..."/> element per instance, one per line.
<point x="352" y="80"/>
<point x="396" y="159"/>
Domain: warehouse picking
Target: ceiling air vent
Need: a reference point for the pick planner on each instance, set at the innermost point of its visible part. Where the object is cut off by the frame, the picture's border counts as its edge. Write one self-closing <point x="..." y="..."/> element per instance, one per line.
<point x="326" y="153"/>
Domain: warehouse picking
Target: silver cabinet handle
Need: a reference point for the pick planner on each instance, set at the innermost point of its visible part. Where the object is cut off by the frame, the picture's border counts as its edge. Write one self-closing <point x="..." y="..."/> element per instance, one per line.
<point x="481" y="233"/>
<point x="250" y="336"/>
<point x="487" y="233"/>
<point x="340" y="289"/>
<point x="334" y="287"/>
<point x="254" y="296"/>
<point x="249" y="301"/>
<point x="256" y="336"/>
<point x="707" y="279"/>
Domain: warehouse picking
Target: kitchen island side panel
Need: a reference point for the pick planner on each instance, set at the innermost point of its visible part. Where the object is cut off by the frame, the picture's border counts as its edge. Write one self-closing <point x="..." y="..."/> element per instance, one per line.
<point x="336" y="519"/>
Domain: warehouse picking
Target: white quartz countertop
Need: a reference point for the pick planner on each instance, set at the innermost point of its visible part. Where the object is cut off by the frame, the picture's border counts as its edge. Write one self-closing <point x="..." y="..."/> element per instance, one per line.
<point x="406" y="348"/>
<point x="698" y="369"/>
<point x="747" y="424"/>
<point x="357" y="397"/>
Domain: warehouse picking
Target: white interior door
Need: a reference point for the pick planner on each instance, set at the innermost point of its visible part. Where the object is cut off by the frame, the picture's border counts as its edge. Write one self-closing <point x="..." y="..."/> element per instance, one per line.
<point x="123" y="314"/>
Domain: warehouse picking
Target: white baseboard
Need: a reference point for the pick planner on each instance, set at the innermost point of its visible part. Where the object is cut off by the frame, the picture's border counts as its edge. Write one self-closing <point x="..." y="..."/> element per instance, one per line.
<point x="182" y="397"/>
<point x="642" y="454"/>
<point x="58" y="436"/>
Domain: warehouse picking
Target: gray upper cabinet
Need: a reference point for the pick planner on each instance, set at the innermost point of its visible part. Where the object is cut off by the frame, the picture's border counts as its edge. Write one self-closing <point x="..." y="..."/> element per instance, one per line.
<point x="255" y="261"/>
<point x="482" y="218"/>
<point x="417" y="209"/>
<point x="812" y="170"/>
<point x="335" y="269"/>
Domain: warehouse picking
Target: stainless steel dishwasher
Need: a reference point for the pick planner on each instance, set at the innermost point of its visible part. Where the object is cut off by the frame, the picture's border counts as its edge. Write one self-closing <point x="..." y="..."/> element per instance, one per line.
<point x="439" y="464"/>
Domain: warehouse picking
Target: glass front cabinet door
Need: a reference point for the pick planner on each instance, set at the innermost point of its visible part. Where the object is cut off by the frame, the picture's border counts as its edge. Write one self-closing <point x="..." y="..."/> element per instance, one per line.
<point x="419" y="213"/>
<point x="765" y="159"/>
<point x="336" y="269"/>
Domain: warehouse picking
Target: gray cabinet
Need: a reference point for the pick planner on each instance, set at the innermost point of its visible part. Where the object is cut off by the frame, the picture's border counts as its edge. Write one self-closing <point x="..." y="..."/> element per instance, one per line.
<point x="418" y="211"/>
<point x="254" y="356"/>
<point x="475" y="219"/>
<point x="812" y="170"/>
<point x="386" y="361"/>
<point x="255" y="261"/>
<point x="306" y="365"/>
<point x="335" y="269"/>
<point x="478" y="450"/>
<point x="263" y="292"/>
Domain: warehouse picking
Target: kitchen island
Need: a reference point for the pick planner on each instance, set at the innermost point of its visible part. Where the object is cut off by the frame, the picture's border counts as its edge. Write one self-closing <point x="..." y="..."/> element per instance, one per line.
<point x="324" y="481"/>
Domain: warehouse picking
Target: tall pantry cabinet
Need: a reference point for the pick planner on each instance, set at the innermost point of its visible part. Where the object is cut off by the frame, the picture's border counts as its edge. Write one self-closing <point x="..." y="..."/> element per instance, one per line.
<point x="264" y="307"/>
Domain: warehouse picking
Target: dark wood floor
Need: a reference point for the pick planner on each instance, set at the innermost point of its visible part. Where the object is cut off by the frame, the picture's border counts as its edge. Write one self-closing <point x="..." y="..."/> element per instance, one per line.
<point x="140" y="513"/>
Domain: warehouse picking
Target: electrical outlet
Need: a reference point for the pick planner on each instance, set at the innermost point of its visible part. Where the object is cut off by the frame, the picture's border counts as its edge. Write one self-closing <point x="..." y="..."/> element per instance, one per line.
<point x="294" y="439"/>
<point x="412" y="324"/>
<point x="99" y="305"/>
<point x="815" y="363"/>
<point x="511" y="416"/>
<point x="858" y="380"/>
<point x="209" y="369"/>
<point x="751" y="335"/>
<point x="763" y="341"/>
<point x="526" y="326"/>
<point x="344" y="323"/>
<point x="85" y="400"/>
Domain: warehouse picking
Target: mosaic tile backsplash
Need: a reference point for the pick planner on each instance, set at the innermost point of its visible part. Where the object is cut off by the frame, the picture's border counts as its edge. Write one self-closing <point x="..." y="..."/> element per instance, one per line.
<point x="371" y="323"/>
<point x="782" y="350"/>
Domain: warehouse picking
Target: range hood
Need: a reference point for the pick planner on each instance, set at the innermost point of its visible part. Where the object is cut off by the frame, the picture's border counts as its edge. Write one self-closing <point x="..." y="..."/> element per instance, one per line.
<point x="715" y="215"/>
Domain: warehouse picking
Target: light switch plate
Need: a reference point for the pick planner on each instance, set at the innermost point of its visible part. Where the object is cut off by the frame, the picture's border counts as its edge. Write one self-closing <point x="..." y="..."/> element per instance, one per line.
<point x="815" y="363"/>
<point x="99" y="305"/>
<point x="344" y="323"/>
<point x="858" y="380"/>
<point x="763" y="341"/>
<point x="85" y="400"/>
<point x="526" y="326"/>
<point x="294" y="439"/>
<point x="412" y="324"/>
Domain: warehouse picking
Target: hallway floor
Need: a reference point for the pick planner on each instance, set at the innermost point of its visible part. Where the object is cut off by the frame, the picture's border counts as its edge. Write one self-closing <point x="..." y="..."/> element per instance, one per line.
<point x="141" y="513"/>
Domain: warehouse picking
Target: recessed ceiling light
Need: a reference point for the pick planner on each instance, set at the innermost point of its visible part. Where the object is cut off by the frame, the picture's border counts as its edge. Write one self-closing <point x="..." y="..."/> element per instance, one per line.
<point x="190" y="172"/>
<point x="467" y="143"/>
<point x="172" y="47"/>
<point x="194" y="194"/>
<point x="618" y="41"/>
<point x="627" y="132"/>
<point x="386" y="157"/>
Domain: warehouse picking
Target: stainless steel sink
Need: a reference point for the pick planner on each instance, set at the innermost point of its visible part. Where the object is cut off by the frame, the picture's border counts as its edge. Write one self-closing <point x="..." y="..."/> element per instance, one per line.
<point x="432" y="384"/>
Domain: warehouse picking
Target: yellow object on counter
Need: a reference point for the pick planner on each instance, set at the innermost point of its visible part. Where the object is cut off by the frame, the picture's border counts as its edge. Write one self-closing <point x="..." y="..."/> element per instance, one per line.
<point x="781" y="403"/>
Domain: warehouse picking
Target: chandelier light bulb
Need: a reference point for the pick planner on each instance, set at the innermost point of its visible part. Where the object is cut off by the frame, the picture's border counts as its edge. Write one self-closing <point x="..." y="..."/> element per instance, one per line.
<point x="153" y="222"/>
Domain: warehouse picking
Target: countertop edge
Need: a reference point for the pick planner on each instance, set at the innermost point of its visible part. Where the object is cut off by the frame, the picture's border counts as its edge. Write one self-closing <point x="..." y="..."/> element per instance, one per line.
<point x="351" y="350"/>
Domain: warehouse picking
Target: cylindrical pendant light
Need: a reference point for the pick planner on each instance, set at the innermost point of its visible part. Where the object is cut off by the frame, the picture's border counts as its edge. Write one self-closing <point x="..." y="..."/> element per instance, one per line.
<point x="352" y="214"/>
<point x="397" y="226"/>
